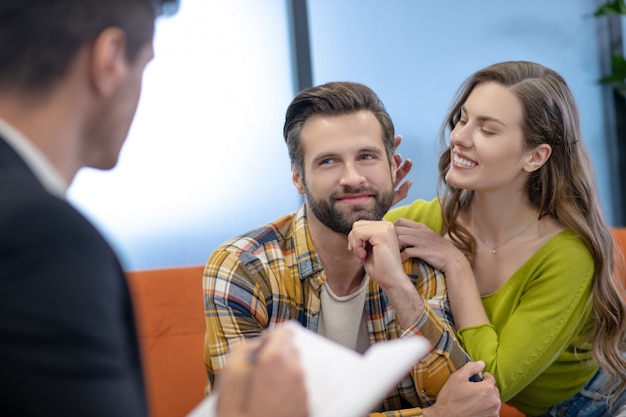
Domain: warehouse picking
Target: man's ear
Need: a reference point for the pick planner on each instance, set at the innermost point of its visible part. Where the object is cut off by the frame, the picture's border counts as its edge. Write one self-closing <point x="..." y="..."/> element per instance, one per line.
<point x="296" y="178"/>
<point x="108" y="60"/>
<point x="538" y="157"/>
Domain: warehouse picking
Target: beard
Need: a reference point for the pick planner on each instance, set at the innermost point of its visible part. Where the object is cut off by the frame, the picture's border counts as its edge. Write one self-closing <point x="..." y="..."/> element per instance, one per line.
<point x="341" y="221"/>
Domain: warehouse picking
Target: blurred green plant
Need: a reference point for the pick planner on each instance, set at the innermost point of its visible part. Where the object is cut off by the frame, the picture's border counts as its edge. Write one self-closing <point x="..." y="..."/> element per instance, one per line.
<point x="617" y="77"/>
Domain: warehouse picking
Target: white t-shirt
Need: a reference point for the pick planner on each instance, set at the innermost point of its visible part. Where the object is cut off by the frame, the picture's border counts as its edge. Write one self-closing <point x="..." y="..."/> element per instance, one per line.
<point x="342" y="319"/>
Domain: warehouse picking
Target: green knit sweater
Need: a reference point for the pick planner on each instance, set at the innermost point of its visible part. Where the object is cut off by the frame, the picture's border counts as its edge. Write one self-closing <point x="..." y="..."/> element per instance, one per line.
<point x="534" y="345"/>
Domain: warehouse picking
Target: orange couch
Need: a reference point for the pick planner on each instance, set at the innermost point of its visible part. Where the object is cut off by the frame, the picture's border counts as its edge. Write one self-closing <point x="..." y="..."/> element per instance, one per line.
<point x="170" y="320"/>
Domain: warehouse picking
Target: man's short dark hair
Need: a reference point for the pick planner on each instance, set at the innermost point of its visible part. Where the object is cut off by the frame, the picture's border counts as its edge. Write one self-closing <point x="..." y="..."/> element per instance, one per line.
<point x="39" y="38"/>
<point x="333" y="99"/>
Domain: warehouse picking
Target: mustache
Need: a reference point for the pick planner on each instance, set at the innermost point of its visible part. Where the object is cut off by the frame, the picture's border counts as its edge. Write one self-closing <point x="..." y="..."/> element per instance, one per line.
<point x="348" y="190"/>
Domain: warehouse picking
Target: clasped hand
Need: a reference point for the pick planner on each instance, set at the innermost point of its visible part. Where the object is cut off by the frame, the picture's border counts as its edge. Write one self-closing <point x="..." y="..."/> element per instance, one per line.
<point x="375" y="244"/>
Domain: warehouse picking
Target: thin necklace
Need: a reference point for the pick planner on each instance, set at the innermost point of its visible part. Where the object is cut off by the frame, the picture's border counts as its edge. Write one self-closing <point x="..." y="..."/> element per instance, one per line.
<point x="493" y="249"/>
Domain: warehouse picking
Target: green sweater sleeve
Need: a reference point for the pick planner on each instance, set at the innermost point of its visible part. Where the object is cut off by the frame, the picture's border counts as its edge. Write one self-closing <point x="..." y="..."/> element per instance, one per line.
<point x="427" y="212"/>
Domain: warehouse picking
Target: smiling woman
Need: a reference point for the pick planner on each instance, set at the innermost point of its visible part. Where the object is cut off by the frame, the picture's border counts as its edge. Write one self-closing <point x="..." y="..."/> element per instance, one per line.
<point x="528" y="256"/>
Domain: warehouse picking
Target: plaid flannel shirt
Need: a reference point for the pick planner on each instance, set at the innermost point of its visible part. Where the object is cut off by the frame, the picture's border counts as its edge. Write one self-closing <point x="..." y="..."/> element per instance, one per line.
<point x="273" y="274"/>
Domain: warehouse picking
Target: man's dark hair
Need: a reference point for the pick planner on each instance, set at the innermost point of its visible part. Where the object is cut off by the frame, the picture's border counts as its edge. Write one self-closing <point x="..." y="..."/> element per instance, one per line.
<point x="333" y="99"/>
<point x="39" y="38"/>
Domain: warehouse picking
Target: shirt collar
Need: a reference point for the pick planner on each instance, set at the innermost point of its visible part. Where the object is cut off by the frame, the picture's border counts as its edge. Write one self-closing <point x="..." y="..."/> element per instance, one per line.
<point x="309" y="263"/>
<point x="50" y="178"/>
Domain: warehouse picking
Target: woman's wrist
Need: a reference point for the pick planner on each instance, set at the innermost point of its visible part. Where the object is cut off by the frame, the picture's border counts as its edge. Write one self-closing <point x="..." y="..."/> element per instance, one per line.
<point x="451" y="264"/>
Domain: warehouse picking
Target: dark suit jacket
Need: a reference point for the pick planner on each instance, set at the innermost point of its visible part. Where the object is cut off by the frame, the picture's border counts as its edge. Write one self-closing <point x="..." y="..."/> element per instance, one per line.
<point x="68" y="344"/>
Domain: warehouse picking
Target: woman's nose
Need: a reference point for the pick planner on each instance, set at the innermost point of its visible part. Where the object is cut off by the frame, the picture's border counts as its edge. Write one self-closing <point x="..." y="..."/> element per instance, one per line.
<point x="460" y="135"/>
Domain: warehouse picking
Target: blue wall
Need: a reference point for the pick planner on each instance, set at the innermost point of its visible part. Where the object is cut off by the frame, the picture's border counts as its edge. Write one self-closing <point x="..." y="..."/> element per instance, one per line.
<point x="205" y="159"/>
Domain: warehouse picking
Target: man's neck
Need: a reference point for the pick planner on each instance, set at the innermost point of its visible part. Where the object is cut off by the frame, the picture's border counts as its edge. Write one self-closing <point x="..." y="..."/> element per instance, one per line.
<point x="37" y="162"/>
<point x="48" y="128"/>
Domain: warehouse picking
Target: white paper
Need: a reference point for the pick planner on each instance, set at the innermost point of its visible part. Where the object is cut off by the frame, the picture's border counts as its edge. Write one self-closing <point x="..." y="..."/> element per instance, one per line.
<point x="340" y="381"/>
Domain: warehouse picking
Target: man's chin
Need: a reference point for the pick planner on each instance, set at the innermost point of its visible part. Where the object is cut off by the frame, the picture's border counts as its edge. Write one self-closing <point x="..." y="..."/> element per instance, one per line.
<point x="363" y="215"/>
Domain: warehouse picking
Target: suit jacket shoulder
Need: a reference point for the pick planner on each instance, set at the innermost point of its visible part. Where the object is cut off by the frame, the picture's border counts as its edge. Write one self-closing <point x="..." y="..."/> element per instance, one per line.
<point x="67" y="332"/>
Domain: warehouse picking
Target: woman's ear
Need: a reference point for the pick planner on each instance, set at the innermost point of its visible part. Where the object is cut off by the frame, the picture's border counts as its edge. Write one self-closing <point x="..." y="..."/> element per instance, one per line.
<point x="538" y="157"/>
<point x="296" y="178"/>
<point x="108" y="60"/>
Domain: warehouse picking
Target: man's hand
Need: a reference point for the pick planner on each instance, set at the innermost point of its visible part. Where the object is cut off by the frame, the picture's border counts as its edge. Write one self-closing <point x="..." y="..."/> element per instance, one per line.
<point x="263" y="378"/>
<point x="375" y="244"/>
<point x="461" y="397"/>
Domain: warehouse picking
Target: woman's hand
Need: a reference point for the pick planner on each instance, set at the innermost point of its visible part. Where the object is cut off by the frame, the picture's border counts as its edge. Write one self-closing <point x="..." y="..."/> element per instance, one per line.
<point x="401" y="190"/>
<point x="418" y="241"/>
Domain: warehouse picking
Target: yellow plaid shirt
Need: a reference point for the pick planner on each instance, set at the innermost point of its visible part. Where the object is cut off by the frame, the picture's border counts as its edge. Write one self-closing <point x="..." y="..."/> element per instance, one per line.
<point x="273" y="274"/>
